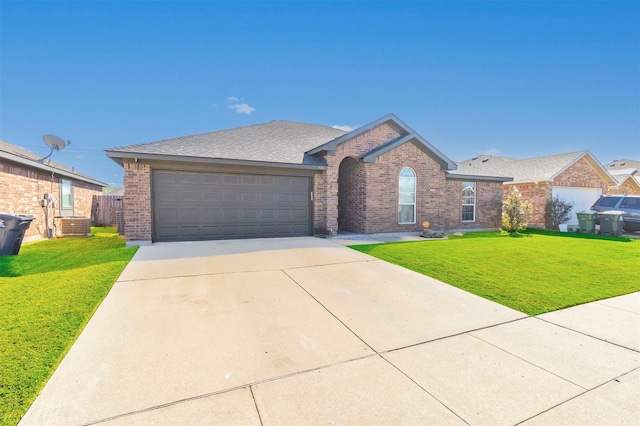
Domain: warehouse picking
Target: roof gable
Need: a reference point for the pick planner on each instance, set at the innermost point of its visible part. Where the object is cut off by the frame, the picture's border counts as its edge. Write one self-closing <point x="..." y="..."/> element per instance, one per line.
<point x="538" y="169"/>
<point x="407" y="134"/>
<point x="622" y="179"/>
<point x="27" y="158"/>
<point x="599" y="169"/>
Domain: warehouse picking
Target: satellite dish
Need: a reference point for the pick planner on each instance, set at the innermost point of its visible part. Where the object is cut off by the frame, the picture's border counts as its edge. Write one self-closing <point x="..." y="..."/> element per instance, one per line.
<point x="55" y="143"/>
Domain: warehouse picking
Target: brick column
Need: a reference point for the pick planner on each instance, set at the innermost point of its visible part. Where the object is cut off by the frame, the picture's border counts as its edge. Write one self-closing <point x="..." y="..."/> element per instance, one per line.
<point x="137" y="203"/>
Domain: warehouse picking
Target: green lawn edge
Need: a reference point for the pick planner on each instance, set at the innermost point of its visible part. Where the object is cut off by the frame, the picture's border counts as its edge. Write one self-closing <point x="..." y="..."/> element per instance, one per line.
<point x="50" y="291"/>
<point x="534" y="272"/>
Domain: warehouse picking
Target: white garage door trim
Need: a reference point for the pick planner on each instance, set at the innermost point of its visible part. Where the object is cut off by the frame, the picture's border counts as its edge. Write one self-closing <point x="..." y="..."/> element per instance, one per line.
<point x="582" y="197"/>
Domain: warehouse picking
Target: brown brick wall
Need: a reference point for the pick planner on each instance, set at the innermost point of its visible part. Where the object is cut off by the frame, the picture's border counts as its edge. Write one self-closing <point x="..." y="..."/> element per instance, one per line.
<point x="22" y="188"/>
<point x="488" y="205"/>
<point x="326" y="206"/>
<point x="320" y="204"/>
<point x="382" y="192"/>
<point x="137" y="201"/>
<point x="537" y="195"/>
<point x="83" y="198"/>
<point x="369" y="193"/>
<point x="627" y="188"/>
<point x="352" y="195"/>
<point x="581" y="174"/>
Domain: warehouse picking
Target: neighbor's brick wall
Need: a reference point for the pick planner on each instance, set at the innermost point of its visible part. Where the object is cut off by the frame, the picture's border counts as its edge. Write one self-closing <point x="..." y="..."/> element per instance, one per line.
<point x="83" y="193"/>
<point x="537" y="195"/>
<point x="488" y="205"/>
<point x="627" y="188"/>
<point x="137" y="201"/>
<point x="581" y="174"/>
<point x="22" y="188"/>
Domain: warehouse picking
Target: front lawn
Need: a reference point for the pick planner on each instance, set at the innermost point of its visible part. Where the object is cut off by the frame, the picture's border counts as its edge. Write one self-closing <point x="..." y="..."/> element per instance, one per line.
<point x="535" y="273"/>
<point x="48" y="293"/>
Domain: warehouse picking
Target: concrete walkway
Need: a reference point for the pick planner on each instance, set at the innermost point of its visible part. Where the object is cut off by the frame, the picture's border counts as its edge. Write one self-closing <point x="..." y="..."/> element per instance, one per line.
<point x="307" y="331"/>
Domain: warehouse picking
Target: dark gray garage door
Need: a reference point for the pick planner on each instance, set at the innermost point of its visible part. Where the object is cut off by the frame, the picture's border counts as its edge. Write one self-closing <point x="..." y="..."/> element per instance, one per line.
<point x="210" y="206"/>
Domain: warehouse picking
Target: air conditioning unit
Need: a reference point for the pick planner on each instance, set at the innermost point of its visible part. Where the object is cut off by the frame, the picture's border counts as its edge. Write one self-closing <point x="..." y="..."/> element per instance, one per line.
<point x="74" y="226"/>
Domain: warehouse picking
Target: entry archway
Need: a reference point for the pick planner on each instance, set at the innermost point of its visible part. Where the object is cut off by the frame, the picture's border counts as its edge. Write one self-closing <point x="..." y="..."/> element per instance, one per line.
<point x="352" y="196"/>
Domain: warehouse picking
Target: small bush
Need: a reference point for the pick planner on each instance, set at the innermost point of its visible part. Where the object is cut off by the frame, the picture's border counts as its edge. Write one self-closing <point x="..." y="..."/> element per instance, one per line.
<point x="515" y="212"/>
<point x="556" y="212"/>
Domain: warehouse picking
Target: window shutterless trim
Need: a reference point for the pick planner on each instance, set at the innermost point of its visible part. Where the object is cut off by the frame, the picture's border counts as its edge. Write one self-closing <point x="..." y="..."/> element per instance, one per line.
<point x="413" y="192"/>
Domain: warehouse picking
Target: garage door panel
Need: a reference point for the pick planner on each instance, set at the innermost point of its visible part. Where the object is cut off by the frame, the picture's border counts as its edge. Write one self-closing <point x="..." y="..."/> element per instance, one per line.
<point x="164" y="177"/>
<point x="187" y="196"/>
<point x="192" y="206"/>
<point x="167" y="232"/>
<point x="583" y="199"/>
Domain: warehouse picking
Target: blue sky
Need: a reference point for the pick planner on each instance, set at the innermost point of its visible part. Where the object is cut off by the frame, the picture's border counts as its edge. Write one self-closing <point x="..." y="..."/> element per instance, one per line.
<point x="520" y="79"/>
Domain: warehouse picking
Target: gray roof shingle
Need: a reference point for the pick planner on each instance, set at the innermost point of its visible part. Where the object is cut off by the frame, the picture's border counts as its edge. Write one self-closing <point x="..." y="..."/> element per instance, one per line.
<point x="539" y="169"/>
<point x="275" y="142"/>
<point x="28" y="158"/>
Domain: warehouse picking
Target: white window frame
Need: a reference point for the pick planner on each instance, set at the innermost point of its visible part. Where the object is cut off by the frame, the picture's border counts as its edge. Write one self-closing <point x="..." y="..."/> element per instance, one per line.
<point x="66" y="209"/>
<point x="465" y="202"/>
<point x="400" y="177"/>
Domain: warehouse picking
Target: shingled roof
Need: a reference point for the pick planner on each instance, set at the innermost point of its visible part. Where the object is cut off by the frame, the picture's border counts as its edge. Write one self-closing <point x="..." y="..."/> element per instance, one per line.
<point x="20" y="155"/>
<point x="539" y="169"/>
<point x="282" y="142"/>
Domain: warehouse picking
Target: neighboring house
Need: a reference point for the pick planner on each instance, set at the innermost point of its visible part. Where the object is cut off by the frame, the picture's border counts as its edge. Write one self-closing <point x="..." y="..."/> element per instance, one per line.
<point x="574" y="177"/>
<point x="625" y="172"/>
<point x="24" y="180"/>
<point x="117" y="192"/>
<point x="284" y="178"/>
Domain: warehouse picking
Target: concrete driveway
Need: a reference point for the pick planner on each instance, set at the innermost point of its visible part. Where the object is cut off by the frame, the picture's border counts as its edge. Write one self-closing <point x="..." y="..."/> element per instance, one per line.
<point x="306" y="331"/>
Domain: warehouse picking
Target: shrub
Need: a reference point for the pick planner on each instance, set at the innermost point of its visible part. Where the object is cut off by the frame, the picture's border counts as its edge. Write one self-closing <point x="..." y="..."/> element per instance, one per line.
<point x="515" y="212"/>
<point x="557" y="211"/>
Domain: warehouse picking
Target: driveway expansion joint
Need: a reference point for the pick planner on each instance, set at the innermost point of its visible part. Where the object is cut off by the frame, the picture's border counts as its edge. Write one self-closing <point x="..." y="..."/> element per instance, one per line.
<point x="223" y="391"/>
<point x="526" y="360"/>
<point x="588" y="335"/>
<point x="615" y="379"/>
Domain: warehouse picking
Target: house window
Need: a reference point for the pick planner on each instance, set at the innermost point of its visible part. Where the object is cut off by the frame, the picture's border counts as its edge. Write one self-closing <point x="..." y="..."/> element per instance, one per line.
<point x="407" y="196"/>
<point x="66" y="197"/>
<point x="468" y="201"/>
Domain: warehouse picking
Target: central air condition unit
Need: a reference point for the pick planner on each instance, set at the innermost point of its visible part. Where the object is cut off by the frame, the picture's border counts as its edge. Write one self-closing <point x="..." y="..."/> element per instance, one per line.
<point x="74" y="226"/>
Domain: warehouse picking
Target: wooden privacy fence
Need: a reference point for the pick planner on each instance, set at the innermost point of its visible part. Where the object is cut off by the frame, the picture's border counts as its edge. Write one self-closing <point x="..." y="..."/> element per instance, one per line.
<point x="105" y="209"/>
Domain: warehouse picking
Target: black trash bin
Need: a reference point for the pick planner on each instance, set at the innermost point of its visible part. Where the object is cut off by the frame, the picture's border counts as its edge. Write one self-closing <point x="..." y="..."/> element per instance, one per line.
<point x="12" y="230"/>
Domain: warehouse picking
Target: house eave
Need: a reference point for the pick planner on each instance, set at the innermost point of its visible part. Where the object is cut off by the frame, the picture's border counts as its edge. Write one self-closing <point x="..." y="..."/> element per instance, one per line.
<point x="454" y="176"/>
<point x="48" y="168"/>
<point x="120" y="156"/>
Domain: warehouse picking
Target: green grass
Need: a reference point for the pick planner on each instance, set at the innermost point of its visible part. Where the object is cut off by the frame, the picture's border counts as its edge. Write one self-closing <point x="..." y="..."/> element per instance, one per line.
<point x="48" y="293"/>
<point x="537" y="272"/>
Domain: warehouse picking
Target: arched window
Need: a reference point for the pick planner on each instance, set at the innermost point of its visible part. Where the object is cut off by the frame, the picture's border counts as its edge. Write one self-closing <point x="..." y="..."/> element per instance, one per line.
<point x="468" y="201"/>
<point x="407" y="196"/>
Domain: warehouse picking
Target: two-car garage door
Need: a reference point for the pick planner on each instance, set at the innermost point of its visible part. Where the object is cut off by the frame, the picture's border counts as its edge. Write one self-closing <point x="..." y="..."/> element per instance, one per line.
<point x="209" y="206"/>
<point x="582" y="199"/>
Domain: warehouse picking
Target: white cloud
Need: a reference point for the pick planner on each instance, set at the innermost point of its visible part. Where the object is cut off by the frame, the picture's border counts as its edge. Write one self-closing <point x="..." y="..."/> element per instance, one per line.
<point x="232" y="99"/>
<point x="242" y="108"/>
<point x="345" y="128"/>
